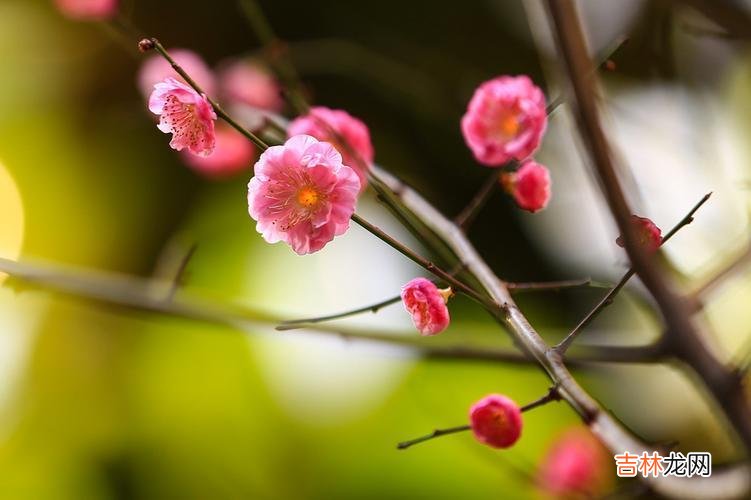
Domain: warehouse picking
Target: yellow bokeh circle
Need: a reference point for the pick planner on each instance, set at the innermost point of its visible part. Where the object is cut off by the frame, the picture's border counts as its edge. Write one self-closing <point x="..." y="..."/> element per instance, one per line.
<point x="11" y="218"/>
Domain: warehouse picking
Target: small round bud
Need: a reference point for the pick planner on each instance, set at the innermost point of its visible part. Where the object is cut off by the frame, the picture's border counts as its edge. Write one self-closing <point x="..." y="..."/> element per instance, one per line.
<point x="496" y="421"/>
<point x="530" y="186"/>
<point x="649" y="235"/>
<point x="575" y="466"/>
<point x="426" y="303"/>
<point x="146" y="45"/>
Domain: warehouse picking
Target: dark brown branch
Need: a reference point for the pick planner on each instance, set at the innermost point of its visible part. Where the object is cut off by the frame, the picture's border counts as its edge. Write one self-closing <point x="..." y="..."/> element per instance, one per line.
<point x="457" y="285"/>
<point x="683" y="337"/>
<point x="608" y="298"/>
<point x="488" y="189"/>
<point x="217" y="108"/>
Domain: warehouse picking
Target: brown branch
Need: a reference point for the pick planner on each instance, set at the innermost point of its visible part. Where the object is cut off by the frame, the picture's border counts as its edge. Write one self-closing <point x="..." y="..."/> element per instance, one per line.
<point x="734" y="482"/>
<point x="608" y="298"/>
<point x="683" y="338"/>
<point x="730" y="269"/>
<point x="487" y="190"/>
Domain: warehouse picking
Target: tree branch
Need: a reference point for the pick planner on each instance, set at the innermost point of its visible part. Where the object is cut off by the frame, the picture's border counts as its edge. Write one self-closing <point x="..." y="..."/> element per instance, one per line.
<point x="681" y="334"/>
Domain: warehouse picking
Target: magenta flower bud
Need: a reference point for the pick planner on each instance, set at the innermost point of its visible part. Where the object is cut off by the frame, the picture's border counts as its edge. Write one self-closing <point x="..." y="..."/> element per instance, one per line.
<point x="88" y="10"/>
<point x="426" y="303"/>
<point x="505" y="120"/>
<point x="496" y="421"/>
<point x="332" y="124"/>
<point x="530" y="186"/>
<point x="649" y="235"/>
<point x="576" y="466"/>
<point x="186" y="115"/>
<point x="302" y="194"/>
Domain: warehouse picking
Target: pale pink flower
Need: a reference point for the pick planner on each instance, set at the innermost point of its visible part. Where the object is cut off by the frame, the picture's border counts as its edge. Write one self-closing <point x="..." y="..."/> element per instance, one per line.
<point x="232" y="153"/>
<point x="426" y="303"/>
<point x="496" y="421"/>
<point x="530" y="186"/>
<point x="302" y="194"/>
<point x="576" y="466"/>
<point x="249" y="82"/>
<point x="505" y="120"/>
<point x="88" y="10"/>
<point x="185" y="114"/>
<point x="649" y="235"/>
<point x="337" y="126"/>
<point x="156" y="69"/>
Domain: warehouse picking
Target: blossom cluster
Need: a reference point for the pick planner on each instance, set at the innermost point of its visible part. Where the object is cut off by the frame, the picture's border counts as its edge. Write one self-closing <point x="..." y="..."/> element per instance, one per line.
<point x="504" y="126"/>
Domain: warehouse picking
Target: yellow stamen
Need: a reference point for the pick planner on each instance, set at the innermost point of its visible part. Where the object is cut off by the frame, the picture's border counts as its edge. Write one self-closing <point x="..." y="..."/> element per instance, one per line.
<point x="307" y="197"/>
<point x="508" y="125"/>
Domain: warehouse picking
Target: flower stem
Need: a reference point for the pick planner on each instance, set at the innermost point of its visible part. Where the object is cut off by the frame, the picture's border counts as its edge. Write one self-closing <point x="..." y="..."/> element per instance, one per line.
<point x="423" y="262"/>
<point x="217" y="108"/>
<point x="608" y="298"/>
<point x="552" y="395"/>
<point x="467" y="216"/>
<point x="373" y="308"/>
<point x="271" y="43"/>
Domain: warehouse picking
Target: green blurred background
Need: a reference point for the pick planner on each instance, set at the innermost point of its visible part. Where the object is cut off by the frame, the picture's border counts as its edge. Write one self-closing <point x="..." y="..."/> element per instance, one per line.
<point x="97" y="402"/>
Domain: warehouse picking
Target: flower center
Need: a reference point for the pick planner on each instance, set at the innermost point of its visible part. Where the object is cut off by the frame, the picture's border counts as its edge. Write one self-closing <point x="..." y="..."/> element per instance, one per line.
<point x="508" y="125"/>
<point x="307" y="197"/>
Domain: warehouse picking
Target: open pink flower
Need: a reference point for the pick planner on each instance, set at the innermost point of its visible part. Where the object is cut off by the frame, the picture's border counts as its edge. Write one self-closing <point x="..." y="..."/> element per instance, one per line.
<point x="248" y="82"/>
<point x="185" y="114"/>
<point x="88" y="10"/>
<point x="156" y="69"/>
<point x="575" y="466"/>
<point x="232" y="153"/>
<point x="496" y="421"/>
<point x="332" y="125"/>
<point x="650" y="236"/>
<point x="530" y="186"/>
<point x="426" y="303"/>
<point x="302" y="194"/>
<point x="505" y="120"/>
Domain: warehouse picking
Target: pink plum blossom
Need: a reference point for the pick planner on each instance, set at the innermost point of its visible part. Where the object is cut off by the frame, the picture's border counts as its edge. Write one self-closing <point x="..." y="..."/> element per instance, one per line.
<point x="426" y="303"/>
<point x="496" y="421"/>
<point x="649" y="235"/>
<point x="185" y="114"/>
<point x="530" y="186"/>
<point x="302" y="194"/>
<point x="335" y="126"/>
<point x="88" y="10"/>
<point x="156" y="69"/>
<point x="232" y="153"/>
<point x="575" y="466"/>
<point x="505" y="120"/>
<point x="250" y="83"/>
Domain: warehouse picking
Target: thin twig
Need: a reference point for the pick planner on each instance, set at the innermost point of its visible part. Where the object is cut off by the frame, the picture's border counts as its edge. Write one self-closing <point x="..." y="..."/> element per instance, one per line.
<point x="177" y="280"/>
<point x="681" y="334"/>
<point x="286" y="72"/>
<point x="294" y="324"/>
<point x="217" y="108"/>
<point x="538" y="286"/>
<point x="467" y="216"/>
<point x="552" y="395"/>
<point x="422" y="262"/>
<point x="608" y="298"/>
